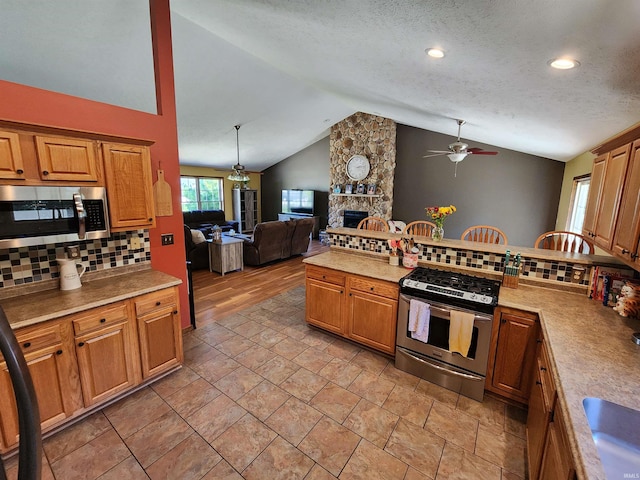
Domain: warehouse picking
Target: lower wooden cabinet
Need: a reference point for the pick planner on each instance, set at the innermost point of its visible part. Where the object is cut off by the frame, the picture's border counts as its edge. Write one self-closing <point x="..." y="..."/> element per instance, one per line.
<point x="557" y="463"/>
<point x="360" y="308"/>
<point x="81" y="361"/>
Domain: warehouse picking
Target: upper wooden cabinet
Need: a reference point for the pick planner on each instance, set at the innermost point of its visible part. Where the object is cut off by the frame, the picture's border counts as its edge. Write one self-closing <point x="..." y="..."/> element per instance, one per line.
<point x="129" y="186"/>
<point x="11" y="165"/>
<point x="67" y="159"/>
<point x="595" y="189"/>
<point x="627" y="234"/>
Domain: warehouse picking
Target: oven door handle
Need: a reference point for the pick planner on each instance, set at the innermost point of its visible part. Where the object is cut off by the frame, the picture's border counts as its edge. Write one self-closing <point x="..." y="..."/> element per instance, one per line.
<point x="451" y="371"/>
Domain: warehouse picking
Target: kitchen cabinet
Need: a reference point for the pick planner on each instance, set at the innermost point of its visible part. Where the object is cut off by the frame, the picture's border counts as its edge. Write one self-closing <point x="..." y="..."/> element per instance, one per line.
<point x="11" y="164"/>
<point x="557" y="463"/>
<point x="159" y="331"/>
<point x="513" y="339"/>
<point x="48" y="351"/>
<point x="66" y="159"/>
<point x="129" y="186"/>
<point x="595" y="188"/>
<point x="245" y="208"/>
<point x="107" y="351"/>
<point x="626" y="240"/>
<point x="359" y="308"/>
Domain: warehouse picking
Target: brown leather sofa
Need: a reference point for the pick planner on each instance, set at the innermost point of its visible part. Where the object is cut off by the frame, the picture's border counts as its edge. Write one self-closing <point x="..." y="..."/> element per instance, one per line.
<point x="277" y="240"/>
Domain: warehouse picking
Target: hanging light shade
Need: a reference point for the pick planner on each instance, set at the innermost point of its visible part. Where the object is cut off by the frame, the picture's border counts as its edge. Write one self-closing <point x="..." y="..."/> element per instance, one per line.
<point x="238" y="174"/>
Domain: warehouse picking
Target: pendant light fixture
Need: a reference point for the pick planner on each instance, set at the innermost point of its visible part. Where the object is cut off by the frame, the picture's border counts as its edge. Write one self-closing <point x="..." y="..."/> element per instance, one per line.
<point x="238" y="174"/>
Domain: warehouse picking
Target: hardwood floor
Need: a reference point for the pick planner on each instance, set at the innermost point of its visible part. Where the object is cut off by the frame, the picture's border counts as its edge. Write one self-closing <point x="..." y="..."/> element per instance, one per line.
<point x="218" y="296"/>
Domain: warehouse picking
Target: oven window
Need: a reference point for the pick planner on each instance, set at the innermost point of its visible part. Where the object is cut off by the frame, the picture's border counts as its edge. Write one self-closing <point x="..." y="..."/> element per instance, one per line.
<point x="439" y="335"/>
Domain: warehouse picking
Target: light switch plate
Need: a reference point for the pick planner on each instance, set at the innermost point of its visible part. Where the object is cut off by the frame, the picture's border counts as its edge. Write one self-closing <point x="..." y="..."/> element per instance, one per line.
<point x="167" y="239"/>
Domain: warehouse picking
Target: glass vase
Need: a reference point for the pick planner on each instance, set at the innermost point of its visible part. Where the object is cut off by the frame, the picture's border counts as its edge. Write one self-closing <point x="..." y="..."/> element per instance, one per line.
<point x="437" y="233"/>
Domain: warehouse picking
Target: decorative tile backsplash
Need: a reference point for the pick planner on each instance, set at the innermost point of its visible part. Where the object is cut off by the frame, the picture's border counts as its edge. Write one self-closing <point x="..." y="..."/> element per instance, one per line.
<point x="25" y="265"/>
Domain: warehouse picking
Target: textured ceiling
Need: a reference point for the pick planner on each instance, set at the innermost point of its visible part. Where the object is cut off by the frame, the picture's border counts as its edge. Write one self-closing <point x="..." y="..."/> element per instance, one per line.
<point x="287" y="70"/>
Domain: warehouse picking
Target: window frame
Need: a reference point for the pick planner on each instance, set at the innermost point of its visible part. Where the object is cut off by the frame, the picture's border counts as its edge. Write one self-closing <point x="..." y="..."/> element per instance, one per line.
<point x="199" y="201"/>
<point x="573" y="199"/>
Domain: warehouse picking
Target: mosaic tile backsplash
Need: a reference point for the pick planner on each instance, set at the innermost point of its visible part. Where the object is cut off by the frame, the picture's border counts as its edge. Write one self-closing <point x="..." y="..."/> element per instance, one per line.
<point x="25" y="265"/>
<point x="489" y="262"/>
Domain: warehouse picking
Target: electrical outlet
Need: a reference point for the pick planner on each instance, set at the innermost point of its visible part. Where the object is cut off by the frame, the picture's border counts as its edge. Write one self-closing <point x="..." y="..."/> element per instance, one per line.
<point x="167" y="239"/>
<point x="135" y="243"/>
<point x="73" y="251"/>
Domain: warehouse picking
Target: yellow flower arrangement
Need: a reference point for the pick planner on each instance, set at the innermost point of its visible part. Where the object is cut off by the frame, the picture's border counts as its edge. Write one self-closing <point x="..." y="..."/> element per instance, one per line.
<point x="438" y="214"/>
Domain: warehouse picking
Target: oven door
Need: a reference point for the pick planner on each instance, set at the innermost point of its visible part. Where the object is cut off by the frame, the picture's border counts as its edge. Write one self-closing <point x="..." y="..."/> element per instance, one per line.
<point x="437" y="345"/>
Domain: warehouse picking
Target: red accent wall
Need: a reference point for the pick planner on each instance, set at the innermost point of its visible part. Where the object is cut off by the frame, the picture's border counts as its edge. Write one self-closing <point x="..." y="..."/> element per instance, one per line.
<point x="26" y="104"/>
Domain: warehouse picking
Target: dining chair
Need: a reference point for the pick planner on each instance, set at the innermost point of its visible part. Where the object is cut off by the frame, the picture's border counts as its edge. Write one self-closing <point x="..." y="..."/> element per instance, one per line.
<point x="484" y="234"/>
<point x="420" y="228"/>
<point x="373" y="223"/>
<point x="564" y="241"/>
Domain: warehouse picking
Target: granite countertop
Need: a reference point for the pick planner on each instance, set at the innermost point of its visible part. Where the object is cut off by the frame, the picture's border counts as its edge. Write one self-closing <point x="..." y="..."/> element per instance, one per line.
<point x="46" y="305"/>
<point x="589" y="344"/>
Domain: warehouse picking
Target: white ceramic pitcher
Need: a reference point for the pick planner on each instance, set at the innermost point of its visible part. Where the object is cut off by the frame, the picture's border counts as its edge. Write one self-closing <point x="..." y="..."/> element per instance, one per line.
<point x="69" y="275"/>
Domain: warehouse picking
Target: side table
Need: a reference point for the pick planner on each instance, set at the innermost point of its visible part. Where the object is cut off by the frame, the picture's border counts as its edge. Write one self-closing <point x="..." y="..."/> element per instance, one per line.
<point x="225" y="255"/>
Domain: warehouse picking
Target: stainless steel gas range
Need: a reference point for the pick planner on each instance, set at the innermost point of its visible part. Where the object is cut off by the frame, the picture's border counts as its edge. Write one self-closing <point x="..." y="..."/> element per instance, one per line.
<point x="440" y="311"/>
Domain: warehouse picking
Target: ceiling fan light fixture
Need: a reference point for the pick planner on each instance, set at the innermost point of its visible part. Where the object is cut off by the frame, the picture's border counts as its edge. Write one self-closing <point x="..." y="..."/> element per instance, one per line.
<point x="457" y="157"/>
<point x="238" y="174"/>
<point x="563" y="63"/>
<point x="435" y="52"/>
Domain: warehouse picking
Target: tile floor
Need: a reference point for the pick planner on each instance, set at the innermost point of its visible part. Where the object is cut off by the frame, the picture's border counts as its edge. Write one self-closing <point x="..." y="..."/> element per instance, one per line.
<point x="262" y="396"/>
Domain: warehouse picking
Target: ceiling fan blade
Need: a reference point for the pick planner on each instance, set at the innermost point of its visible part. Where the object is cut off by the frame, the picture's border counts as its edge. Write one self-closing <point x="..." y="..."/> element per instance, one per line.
<point x="436" y="154"/>
<point x="479" y="151"/>
<point x="439" y="151"/>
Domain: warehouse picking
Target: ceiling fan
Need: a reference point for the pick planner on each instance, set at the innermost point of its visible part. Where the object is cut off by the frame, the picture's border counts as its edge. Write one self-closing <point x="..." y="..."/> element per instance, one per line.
<point x="459" y="150"/>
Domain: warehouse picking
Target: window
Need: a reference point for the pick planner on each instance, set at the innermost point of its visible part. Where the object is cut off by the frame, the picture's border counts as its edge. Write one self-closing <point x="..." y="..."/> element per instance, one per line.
<point x="201" y="193"/>
<point x="578" y="203"/>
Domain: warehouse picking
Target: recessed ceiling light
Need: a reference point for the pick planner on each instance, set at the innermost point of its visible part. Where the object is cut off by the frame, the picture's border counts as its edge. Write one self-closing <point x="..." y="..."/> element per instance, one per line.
<point x="563" y="63"/>
<point x="435" y="52"/>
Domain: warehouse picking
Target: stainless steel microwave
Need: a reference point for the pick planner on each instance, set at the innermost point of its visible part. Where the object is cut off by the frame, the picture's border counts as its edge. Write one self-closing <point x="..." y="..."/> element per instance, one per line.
<point x="35" y="215"/>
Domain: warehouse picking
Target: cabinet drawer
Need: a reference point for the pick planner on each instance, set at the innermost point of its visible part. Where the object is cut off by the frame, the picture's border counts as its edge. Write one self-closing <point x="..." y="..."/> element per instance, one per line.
<point x="155" y="301"/>
<point x="326" y="275"/>
<point x="101" y="317"/>
<point x="33" y="339"/>
<point x="377" y="287"/>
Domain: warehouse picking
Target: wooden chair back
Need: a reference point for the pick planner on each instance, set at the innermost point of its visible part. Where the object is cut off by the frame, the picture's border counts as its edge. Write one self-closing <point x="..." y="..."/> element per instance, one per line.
<point x="420" y="228"/>
<point x="484" y="234"/>
<point x="565" y="242"/>
<point x="373" y="223"/>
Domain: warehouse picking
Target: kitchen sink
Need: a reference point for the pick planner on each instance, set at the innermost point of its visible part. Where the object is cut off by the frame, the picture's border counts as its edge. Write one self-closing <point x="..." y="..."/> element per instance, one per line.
<point x="616" y="432"/>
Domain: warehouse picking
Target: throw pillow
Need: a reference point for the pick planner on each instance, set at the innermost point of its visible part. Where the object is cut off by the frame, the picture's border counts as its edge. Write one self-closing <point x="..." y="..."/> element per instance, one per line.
<point x="197" y="236"/>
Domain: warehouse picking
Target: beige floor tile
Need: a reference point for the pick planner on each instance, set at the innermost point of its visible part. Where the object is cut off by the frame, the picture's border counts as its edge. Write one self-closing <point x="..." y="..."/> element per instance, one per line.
<point x="191" y="459"/>
<point x="200" y="353"/>
<point x="136" y="411"/>
<point x="270" y="320"/>
<point x="319" y="473"/>
<point x="279" y="461"/>
<point x="515" y="421"/>
<point x="510" y="476"/>
<point x="503" y="449"/>
<point x="192" y="397"/>
<point x="238" y="382"/>
<point x="330" y="444"/>
<point x="371" y="422"/>
<point x="75" y="436"/>
<point x="216" y="368"/>
<point x="189" y="340"/>
<point x="454" y="425"/>
<point x="417" y="447"/>
<point x="92" y="459"/>
<point x="408" y="404"/>
<point x="335" y="401"/>
<point x="413" y="474"/>
<point x="128" y="469"/>
<point x="158" y="437"/>
<point x="174" y="382"/>
<point x="343" y="350"/>
<point x="460" y="463"/>
<point x="255" y="357"/>
<point x="232" y="321"/>
<point x="297" y="331"/>
<point x="222" y="471"/>
<point x="317" y="339"/>
<point x="278" y="369"/>
<point x="372" y="387"/>
<point x="294" y="420"/>
<point x="249" y="329"/>
<point x="235" y="346"/>
<point x="268" y="337"/>
<point x="241" y="443"/>
<point x="215" y="417"/>
<point x="340" y="372"/>
<point x="312" y="359"/>
<point x="490" y="412"/>
<point x="399" y="377"/>
<point x="289" y="348"/>
<point x="370" y="361"/>
<point x="436" y="392"/>
<point x="11" y="468"/>
<point x="215" y="334"/>
<point x="369" y="462"/>
<point x="264" y="399"/>
<point x="303" y="384"/>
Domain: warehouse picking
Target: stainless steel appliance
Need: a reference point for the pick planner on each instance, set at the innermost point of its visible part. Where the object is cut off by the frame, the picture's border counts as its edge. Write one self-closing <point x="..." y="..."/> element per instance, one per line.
<point x="40" y="215"/>
<point x="430" y="358"/>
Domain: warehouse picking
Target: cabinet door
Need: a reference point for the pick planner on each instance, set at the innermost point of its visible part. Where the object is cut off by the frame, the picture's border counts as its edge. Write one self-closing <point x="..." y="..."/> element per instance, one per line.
<point x="627" y="233"/>
<point x="609" y="202"/>
<point x="325" y="305"/>
<point x="537" y="424"/>
<point x="372" y="320"/>
<point x="557" y="463"/>
<point x="160" y="341"/>
<point x="66" y="159"/>
<point x="107" y="362"/>
<point x="11" y="166"/>
<point x="129" y="186"/>
<point x="595" y="189"/>
<point x="515" y="355"/>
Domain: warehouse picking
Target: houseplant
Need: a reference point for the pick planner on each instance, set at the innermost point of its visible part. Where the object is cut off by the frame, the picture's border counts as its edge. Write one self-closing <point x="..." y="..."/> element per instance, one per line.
<point x="438" y="215"/>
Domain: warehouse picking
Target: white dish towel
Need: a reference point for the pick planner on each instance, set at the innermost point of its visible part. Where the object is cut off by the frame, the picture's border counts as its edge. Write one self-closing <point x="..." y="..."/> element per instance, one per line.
<point x="419" y="317"/>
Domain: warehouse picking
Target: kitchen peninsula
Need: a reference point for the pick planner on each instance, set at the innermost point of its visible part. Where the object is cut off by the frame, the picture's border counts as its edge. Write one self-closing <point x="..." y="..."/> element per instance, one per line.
<point x="589" y="346"/>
